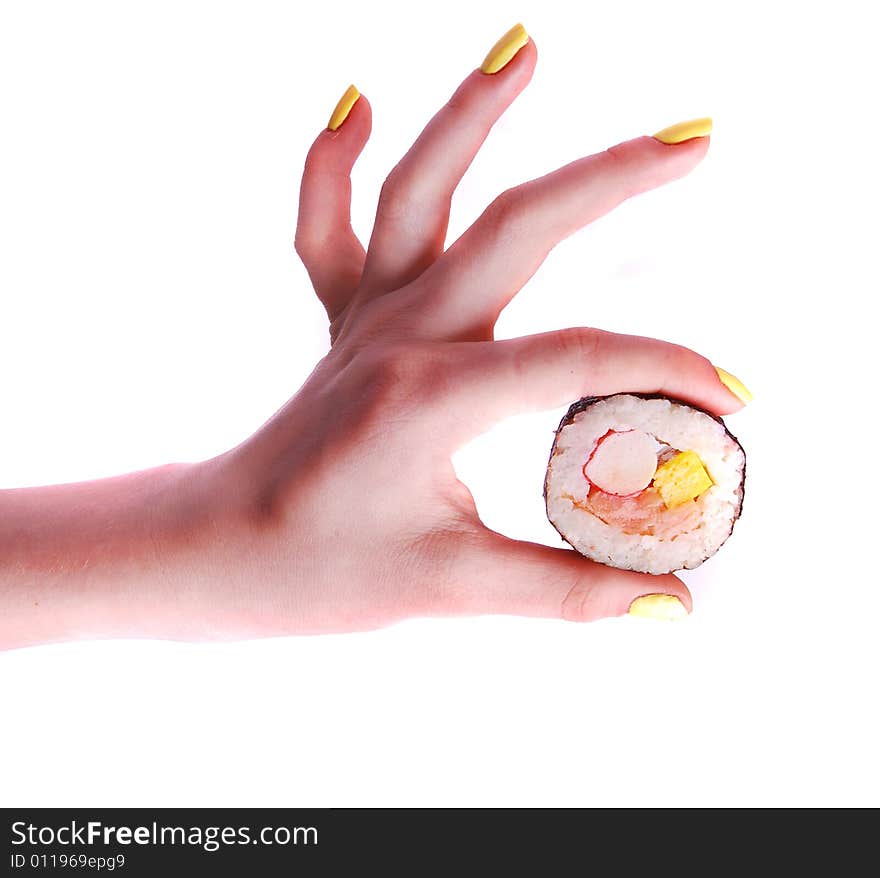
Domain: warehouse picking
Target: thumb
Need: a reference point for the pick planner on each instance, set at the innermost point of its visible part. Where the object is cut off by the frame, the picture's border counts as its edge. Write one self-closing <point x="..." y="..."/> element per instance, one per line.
<point x="500" y="575"/>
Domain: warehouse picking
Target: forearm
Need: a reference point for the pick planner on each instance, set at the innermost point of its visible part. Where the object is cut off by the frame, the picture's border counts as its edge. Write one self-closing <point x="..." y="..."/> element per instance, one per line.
<point x="131" y="555"/>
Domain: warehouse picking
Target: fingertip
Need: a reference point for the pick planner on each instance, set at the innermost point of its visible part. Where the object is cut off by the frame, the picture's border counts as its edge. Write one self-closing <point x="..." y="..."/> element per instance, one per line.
<point x="689" y="376"/>
<point x="725" y="393"/>
<point x="527" y="57"/>
<point x="343" y="107"/>
<point x="681" y="132"/>
<point x="642" y="585"/>
<point x="335" y="150"/>
<point x="324" y="239"/>
<point x="644" y="163"/>
<point x="361" y="119"/>
<point x="661" y="607"/>
<point x="362" y="111"/>
<point x="674" y="587"/>
<point x="686" y="152"/>
<point x="529" y="579"/>
<point x="730" y="406"/>
<point x="505" y="51"/>
<point x="603" y="592"/>
<point x="520" y="70"/>
<point x="735" y="388"/>
<point x="665" y="598"/>
<point x="509" y="81"/>
<point x="352" y="117"/>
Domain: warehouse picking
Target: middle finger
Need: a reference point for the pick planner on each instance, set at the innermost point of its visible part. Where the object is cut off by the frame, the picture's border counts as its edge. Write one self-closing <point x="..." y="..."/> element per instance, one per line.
<point x="413" y="212"/>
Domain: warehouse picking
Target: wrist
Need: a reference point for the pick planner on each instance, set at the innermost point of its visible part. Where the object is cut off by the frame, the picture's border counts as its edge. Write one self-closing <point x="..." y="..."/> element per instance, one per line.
<point x="205" y="534"/>
<point x="232" y="555"/>
<point x="146" y="554"/>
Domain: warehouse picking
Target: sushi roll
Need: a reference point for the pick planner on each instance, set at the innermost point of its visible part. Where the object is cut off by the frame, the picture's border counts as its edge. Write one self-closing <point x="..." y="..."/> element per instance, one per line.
<point x="644" y="482"/>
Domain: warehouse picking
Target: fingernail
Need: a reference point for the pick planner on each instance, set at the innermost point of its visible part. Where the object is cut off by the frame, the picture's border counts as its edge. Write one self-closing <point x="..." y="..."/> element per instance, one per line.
<point x="665" y="607"/>
<point x="343" y="108"/>
<point x="735" y="386"/>
<point x="501" y="53"/>
<point x="682" y="131"/>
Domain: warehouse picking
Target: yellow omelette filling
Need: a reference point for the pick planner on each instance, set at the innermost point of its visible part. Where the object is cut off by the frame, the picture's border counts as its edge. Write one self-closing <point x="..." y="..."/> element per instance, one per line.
<point x="681" y="478"/>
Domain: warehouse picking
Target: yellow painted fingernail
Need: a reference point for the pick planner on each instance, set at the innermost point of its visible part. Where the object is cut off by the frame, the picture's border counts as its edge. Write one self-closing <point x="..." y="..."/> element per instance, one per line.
<point x="735" y="386"/>
<point x="682" y="131"/>
<point x="343" y="108"/>
<point x="501" y="53"/>
<point x="665" y="607"/>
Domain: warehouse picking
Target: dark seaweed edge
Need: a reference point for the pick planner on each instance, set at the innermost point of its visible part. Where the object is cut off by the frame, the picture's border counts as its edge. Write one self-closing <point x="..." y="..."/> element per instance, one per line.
<point x="585" y="402"/>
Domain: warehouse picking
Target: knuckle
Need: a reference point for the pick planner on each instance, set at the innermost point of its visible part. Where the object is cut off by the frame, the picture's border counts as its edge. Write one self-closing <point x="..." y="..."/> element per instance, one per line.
<point x="397" y="363"/>
<point x="441" y="551"/>
<point x="466" y="108"/>
<point x="466" y="585"/>
<point x="375" y="320"/>
<point x="581" y="342"/>
<point x="463" y="100"/>
<point x="683" y="359"/>
<point x="618" y="161"/>
<point x="305" y="246"/>
<point x="460" y="104"/>
<point x="315" y="164"/>
<point x="392" y="186"/>
<point x="399" y="197"/>
<point x="314" y="241"/>
<point x="506" y="213"/>
<point x="381" y="387"/>
<point x="578" y="602"/>
<point x="321" y="165"/>
<point x="401" y="375"/>
<point x="616" y="155"/>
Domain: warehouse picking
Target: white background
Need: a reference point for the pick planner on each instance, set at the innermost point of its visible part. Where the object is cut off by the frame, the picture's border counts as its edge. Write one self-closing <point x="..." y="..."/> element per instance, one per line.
<point x="153" y="310"/>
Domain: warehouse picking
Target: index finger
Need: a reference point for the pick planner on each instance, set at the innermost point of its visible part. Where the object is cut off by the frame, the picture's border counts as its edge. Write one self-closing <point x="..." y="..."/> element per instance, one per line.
<point x="413" y="212"/>
<point x="464" y="291"/>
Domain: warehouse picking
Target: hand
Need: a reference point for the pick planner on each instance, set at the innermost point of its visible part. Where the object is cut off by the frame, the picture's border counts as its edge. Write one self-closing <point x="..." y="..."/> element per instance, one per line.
<point x="343" y="512"/>
<point x="365" y="517"/>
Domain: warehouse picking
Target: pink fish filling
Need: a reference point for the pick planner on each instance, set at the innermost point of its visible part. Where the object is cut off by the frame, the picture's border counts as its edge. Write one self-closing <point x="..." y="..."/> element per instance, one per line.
<point x="644" y="514"/>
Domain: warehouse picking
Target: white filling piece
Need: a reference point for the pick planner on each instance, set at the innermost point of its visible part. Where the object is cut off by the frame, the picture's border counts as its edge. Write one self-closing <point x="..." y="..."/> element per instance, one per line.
<point x="623" y="463"/>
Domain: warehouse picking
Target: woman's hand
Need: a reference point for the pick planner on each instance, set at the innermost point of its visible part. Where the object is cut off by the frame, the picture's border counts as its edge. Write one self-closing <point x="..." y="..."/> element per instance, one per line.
<point x="366" y="520"/>
<point x="343" y="512"/>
